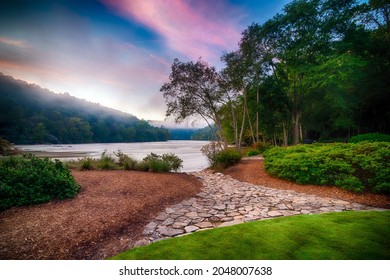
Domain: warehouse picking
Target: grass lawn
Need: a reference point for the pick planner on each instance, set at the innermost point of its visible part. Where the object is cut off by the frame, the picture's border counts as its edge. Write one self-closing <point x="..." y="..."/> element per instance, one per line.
<point x="333" y="236"/>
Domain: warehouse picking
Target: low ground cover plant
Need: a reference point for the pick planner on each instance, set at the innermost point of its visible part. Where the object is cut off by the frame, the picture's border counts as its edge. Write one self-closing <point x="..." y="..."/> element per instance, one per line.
<point x="357" y="167"/>
<point x="348" y="235"/>
<point x="30" y="180"/>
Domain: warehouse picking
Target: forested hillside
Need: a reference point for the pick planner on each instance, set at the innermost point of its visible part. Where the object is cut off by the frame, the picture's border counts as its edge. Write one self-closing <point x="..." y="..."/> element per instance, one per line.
<point x="30" y="114"/>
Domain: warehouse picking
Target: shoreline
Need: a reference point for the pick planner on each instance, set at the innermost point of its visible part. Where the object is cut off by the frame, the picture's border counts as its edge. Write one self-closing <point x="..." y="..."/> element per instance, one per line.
<point x="54" y="155"/>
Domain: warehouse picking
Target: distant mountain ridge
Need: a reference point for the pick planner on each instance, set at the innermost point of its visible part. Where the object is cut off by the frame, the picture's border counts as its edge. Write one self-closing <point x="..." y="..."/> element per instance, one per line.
<point x="30" y="114"/>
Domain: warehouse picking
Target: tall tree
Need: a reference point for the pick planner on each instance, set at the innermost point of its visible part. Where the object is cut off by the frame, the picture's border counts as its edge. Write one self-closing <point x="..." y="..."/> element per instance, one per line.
<point x="193" y="90"/>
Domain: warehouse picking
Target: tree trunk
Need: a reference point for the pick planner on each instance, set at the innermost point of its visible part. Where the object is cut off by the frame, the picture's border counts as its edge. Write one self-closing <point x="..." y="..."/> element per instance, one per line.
<point x="285" y="140"/>
<point x="257" y="115"/>
<point x="242" y="126"/>
<point x="249" y="119"/>
<point x="295" y="127"/>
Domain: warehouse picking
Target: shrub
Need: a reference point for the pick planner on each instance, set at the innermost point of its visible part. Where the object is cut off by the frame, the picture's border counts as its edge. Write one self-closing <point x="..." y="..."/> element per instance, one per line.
<point x="164" y="163"/>
<point x="106" y="162"/>
<point x="370" y="137"/>
<point x="218" y="157"/>
<point x="29" y="180"/>
<point x="159" y="166"/>
<point x="86" y="163"/>
<point x="173" y="161"/>
<point x="261" y="147"/>
<point x="358" y="167"/>
<point x="252" y="152"/>
<point x="211" y="150"/>
<point x="226" y="158"/>
<point x="125" y="161"/>
<point x="142" y="166"/>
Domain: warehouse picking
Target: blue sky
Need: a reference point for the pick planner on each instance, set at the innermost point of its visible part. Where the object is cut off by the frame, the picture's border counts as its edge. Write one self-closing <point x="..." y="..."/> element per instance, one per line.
<point x="118" y="52"/>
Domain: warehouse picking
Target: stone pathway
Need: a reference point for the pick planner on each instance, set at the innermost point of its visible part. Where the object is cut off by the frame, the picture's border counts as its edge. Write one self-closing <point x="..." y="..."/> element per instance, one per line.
<point x="225" y="201"/>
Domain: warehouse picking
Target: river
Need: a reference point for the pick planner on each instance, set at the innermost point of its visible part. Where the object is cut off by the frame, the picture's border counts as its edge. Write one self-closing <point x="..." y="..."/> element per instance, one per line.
<point x="188" y="151"/>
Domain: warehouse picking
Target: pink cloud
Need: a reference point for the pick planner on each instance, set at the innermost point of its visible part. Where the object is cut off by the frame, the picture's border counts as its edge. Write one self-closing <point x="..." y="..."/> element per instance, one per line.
<point x="13" y="43"/>
<point x="193" y="28"/>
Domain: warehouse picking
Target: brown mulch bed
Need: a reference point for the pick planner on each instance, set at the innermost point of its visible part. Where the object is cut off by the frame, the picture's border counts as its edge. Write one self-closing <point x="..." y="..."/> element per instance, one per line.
<point x="252" y="171"/>
<point x="106" y="218"/>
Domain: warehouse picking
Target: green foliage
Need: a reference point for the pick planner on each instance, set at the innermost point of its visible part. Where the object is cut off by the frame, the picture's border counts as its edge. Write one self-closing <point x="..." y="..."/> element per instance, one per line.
<point x="142" y="166"/>
<point x="220" y="158"/>
<point x="174" y="161"/>
<point x="351" y="235"/>
<point x="29" y="180"/>
<point x="261" y="146"/>
<point x="125" y="161"/>
<point x="152" y="162"/>
<point x="226" y="158"/>
<point x="164" y="163"/>
<point x="253" y="152"/>
<point x="357" y="167"/>
<point x="211" y="150"/>
<point x="106" y="162"/>
<point x="87" y="163"/>
<point x="370" y="137"/>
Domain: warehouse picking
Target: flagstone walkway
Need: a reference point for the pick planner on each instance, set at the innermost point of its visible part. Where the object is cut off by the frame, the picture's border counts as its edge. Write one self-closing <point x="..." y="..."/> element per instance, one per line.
<point x="226" y="201"/>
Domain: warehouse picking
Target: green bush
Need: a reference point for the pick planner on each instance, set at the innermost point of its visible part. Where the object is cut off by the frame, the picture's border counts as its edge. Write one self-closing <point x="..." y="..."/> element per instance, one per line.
<point x="87" y="163"/>
<point x="159" y="166"/>
<point x="261" y="147"/>
<point x="29" y="180"/>
<point x="173" y="161"/>
<point x="142" y="166"/>
<point x="106" y="162"/>
<point x="370" y="137"/>
<point x="152" y="162"/>
<point x="164" y="163"/>
<point x="125" y="161"/>
<point x="358" y="167"/>
<point x="252" y="152"/>
<point x="226" y="158"/>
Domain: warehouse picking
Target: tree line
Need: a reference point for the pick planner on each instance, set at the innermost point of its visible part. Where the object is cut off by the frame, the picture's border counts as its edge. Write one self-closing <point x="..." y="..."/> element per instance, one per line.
<point x="318" y="70"/>
<point x="30" y="114"/>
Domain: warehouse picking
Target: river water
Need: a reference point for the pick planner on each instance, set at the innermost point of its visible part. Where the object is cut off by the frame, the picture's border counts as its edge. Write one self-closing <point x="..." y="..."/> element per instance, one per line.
<point x="188" y="151"/>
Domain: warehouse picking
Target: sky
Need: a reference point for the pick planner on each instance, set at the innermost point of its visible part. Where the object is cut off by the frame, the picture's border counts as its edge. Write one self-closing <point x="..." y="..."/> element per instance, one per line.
<point x="119" y="53"/>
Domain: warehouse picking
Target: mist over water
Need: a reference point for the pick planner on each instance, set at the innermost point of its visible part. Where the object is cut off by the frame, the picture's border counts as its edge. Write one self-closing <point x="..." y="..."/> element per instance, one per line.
<point x="188" y="151"/>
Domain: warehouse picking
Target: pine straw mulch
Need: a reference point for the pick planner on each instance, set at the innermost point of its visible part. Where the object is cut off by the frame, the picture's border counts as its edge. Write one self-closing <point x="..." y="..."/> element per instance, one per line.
<point x="106" y="217"/>
<point x="252" y="171"/>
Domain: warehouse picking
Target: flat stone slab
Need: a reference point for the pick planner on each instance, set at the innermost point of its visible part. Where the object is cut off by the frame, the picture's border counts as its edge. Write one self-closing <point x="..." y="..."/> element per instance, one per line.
<point x="170" y="232"/>
<point x="220" y="207"/>
<point x="190" y="229"/>
<point x="149" y="229"/>
<point x="205" y="225"/>
<point x="274" y="214"/>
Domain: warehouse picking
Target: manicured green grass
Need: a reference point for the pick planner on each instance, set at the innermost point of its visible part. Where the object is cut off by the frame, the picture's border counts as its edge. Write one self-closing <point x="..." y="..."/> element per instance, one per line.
<point x="334" y="236"/>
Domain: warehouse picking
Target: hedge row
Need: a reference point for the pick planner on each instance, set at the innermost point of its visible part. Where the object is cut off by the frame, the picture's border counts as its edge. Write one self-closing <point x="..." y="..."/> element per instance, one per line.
<point x="358" y="167"/>
<point x="152" y="162"/>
